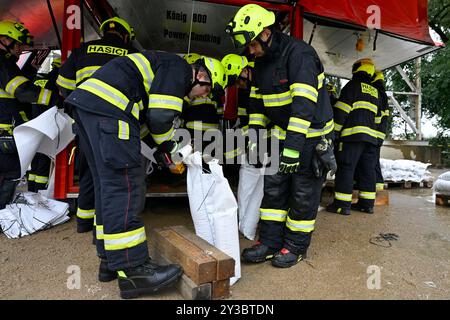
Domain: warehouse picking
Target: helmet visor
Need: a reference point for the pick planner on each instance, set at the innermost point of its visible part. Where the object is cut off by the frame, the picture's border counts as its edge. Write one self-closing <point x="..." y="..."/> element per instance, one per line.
<point x="241" y="38"/>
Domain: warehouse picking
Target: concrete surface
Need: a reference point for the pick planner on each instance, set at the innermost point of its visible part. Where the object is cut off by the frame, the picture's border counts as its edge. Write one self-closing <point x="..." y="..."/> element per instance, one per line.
<point x="415" y="266"/>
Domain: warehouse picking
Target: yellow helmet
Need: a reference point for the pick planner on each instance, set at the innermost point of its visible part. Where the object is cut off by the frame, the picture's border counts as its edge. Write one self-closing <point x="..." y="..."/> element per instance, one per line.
<point x="191" y="57"/>
<point x="111" y="24"/>
<point x="379" y="76"/>
<point x="234" y="64"/>
<point x="16" y="31"/>
<point x="248" y="23"/>
<point x="364" y="65"/>
<point x="56" y="62"/>
<point x="216" y="73"/>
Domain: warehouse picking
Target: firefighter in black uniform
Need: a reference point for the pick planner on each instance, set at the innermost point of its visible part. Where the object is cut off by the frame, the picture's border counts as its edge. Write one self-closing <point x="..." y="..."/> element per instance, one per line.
<point x="16" y="95"/>
<point x="81" y="65"/>
<point x="40" y="166"/>
<point x="356" y="139"/>
<point x="287" y="90"/>
<point x="107" y="108"/>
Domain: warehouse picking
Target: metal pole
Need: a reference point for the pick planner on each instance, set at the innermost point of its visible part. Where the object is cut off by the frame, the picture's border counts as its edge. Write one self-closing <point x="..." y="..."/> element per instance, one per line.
<point x="418" y="98"/>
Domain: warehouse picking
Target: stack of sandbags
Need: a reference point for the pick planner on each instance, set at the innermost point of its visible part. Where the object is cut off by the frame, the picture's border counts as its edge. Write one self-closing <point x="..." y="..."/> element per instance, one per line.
<point x="404" y="170"/>
<point x="442" y="184"/>
<point x="31" y="212"/>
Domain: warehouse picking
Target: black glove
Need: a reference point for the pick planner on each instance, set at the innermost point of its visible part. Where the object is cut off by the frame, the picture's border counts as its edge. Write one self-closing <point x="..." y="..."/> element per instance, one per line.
<point x="163" y="154"/>
<point x="289" y="161"/>
<point x="325" y="154"/>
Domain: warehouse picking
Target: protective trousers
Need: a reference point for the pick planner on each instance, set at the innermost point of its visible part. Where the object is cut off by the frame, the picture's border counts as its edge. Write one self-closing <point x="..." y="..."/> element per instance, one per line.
<point x="9" y="173"/>
<point x="39" y="174"/>
<point x="378" y="174"/>
<point x="86" y="195"/>
<point x="289" y="206"/>
<point x="352" y="157"/>
<point x="113" y="154"/>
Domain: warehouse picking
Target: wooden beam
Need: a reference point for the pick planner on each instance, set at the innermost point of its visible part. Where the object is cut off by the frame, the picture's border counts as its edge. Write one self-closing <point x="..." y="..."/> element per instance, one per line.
<point x="406" y="78"/>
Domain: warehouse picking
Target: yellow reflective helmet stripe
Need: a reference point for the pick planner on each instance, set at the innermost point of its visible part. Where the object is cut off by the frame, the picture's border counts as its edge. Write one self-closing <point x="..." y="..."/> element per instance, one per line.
<point x="365" y="105"/>
<point x="298" y="125"/>
<point x="14" y="83"/>
<point x="66" y="83"/>
<point x="300" y="225"/>
<point x="160" y="138"/>
<point x="343" y="196"/>
<point x="144" y="68"/>
<point x="125" y="240"/>
<point x="165" y="102"/>
<point x="304" y="90"/>
<point x="343" y="106"/>
<point x="124" y="130"/>
<point x="85" y="73"/>
<point x="273" y="214"/>
<point x="106" y="92"/>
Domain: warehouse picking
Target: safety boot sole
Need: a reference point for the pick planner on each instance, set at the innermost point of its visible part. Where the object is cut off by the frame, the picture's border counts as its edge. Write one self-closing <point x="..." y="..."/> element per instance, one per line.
<point x="280" y="264"/>
<point x="135" y="293"/>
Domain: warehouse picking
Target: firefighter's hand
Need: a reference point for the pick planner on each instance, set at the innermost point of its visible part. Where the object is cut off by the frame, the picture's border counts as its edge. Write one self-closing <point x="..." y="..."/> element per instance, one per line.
<point x="163" y="154"/>
<point x="289" y="161"/>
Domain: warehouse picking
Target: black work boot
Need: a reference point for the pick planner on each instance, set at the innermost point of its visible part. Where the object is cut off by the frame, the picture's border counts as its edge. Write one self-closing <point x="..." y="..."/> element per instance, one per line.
<point x="286" y="259"/>
<point x="358" y="207"/>
<point x="147" y="278"/>
<point x="258" y="253"/>
<point x="335" y="209"/>
<point x="104" y="273"/>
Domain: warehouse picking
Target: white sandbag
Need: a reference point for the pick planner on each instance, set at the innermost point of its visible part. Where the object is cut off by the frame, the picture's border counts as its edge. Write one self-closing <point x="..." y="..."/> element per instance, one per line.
<point x="49" y="134"/>
<point x="442" y="187"/>
<point x="445" y="176"/>
<point x="250" y="194"/>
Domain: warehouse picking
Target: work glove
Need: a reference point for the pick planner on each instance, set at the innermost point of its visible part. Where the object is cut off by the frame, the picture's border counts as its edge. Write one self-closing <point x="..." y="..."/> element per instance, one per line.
<point x="164" y="153"/>
<point x="289" y="161"/>
<point x="323" y="159"/>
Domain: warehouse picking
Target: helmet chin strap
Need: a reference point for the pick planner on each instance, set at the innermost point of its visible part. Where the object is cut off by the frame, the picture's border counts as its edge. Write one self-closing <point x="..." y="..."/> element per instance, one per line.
<point x="196" y="81"/>
<point x="9" y="47"/>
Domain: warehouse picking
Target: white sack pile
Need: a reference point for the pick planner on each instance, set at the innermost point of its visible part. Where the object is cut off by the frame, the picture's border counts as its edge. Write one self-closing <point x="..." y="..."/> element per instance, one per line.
<point x="404" y="170"/>
<point x="31" y="212"/>
<point x="442" y="184"/>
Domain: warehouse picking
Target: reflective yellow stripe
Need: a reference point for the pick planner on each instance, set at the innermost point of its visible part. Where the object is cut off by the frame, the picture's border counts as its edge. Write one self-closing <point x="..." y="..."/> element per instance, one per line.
<point x="298" y="125"/>
<point x="85" y="213"/>
<point x="144" y="131"/>
<point x="258" y="119"/>
<point x="337" y="127"/>
<point x="124" y="240"/>
<point x="31" y="177"/>
<point x="202" y="126"/>
<point x="13" y="84"/>
<point x="242" y="111"/>
<point x="85" y="73"/>
<point x="66" y="83"/>
<point x="44" y="97"/>
<point x="135" y="110"/>
<point x="304" y="90"/>
<point x="329" y="127"/>
<point x="41" y="179"/>
<point x="377" y="120"/>
<point x="124" y="130"/>
<point x="233" y="153"/>
<point x="160" y="138"/>
<point x="300" y="225"/>
<point x="201" y="101"/>
<point x="23" y="115"/>
<point x="343" y="106"/>
<point x="106" y="92"/>
<point x="99" y="232"/>
<point x="367" y="195"/>
<point x="380" y="135"/>
<point x="253" y="93"/>
<point x="365" y="105"/>
<point x="359" y="130"/>
<point x="219" y="111"/>
<point x="144" y="68"/>
<point x="277" y="100"/>
<point x="5" y="95"/>
<point x="273" y="214"/>
<point x="343" y="196"/>
<point x="320" y="79"/>
<point x="380" y="186"/>
<point x="278" y="133"/>
<point x="165" y="102"/>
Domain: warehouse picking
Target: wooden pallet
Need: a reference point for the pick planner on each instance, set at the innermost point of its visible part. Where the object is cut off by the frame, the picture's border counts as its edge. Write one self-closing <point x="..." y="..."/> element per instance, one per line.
<point x="207" y="270"/>
<point x="443" y="200"/>
<point x="407" y="184"/>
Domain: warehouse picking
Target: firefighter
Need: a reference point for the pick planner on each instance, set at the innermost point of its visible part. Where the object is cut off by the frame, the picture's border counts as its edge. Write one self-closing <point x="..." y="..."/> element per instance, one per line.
<point x="40" y="166"/>
<point x="107" y="108"/>
<point x="288" y="91"/>
<point x="332" y="93"/>
<point x="355" y="128"/>
<point x="16" y="95"/>
<point x="80" y="66"/>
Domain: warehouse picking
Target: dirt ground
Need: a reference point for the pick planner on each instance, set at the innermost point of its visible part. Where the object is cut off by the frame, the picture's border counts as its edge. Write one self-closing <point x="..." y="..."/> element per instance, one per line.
<point x="414" y="265"/>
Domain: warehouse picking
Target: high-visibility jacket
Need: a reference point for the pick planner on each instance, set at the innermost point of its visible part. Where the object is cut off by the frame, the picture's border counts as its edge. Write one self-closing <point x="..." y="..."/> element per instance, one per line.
<point x="289" y="92"/>
<point x="17" y="92"/>
<point x="87" y="59"/>
<point x="152" y="83"/>
<point x="202" y="113"/>
<point x="381" y="120"/>
<point x="356" y="109"/>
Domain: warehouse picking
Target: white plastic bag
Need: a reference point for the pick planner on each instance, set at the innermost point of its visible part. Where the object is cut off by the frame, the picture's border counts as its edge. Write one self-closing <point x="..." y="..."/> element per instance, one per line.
<point x="250" y="194"/>
<point x="213" y="208"/>
<point x="445" y="176"/>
